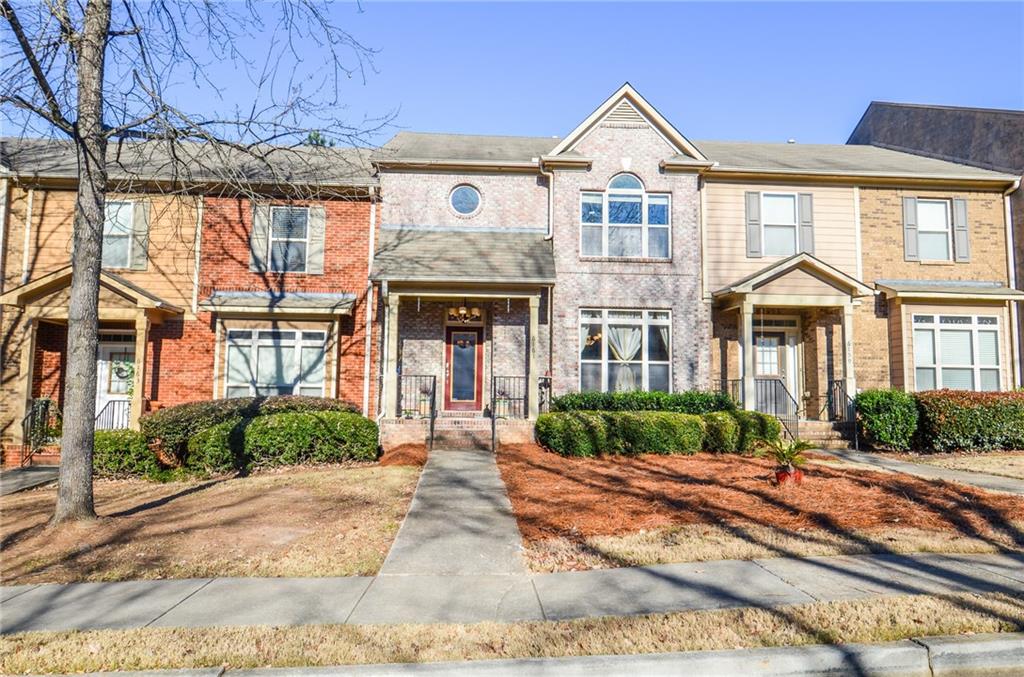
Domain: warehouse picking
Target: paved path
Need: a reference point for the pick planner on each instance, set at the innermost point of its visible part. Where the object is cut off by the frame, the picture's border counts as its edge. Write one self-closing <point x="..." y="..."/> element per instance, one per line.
<point x="501" y="597"/>
<point x="20" y="479"/>
<point x="932" y="472"/>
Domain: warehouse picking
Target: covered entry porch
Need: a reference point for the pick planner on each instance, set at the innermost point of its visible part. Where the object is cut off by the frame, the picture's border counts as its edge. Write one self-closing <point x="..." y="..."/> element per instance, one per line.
<point x="784" y="339"/>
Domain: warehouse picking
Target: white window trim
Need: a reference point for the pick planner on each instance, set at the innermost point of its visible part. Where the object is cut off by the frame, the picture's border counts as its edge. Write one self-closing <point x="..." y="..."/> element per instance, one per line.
<point x="936" y="326"/>
<point x="130" y="235"/>
<point x="254" y="341"/>
<point x="795" y="225"/>
<point x="644" y="322"/>
<point x="271" y="240"/>
<point x="644" y="224"/>
<point x="948" y="205"/>
<point x="479" y="201"/>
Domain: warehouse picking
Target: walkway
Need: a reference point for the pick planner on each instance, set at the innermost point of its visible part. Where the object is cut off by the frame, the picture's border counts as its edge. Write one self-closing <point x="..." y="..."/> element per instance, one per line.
<point x="422" y="598"/>
<point x="20" y="479"/>
<point x="932" y="472"/>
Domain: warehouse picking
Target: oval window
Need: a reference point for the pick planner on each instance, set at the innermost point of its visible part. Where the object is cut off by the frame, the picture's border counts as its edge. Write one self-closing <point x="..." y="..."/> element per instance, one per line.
<point x="465" y="199"/>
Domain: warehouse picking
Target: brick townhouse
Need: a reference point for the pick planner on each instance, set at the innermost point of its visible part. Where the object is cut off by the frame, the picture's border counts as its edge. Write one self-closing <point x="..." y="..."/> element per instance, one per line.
<point x="205" y="293"/>
<point x="625" y="256"/>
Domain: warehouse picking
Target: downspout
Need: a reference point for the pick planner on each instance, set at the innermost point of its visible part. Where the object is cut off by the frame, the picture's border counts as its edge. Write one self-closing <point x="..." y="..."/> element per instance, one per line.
<point x="28" y="237"/>
<point x="368" y="344"/>
<point x="198" y="254"/>
<point x="3" y="231"/>
<point x="382" y="396"/>
<point x="551" y="198"/>
<point x="1012" y="265"/>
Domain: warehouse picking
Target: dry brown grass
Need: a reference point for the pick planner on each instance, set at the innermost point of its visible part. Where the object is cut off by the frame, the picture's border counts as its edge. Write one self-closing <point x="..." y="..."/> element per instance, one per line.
<point x="293" y="522"/>
<point x="699" y="543"/>
<point x="873" y="620"/>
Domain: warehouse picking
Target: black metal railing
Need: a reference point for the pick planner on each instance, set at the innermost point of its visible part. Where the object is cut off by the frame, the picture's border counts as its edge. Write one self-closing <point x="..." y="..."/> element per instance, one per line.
<point x="544" y="394"/>
<point x="733" y="387"/>
<point x="842" y="411"/>
<point x="508" y="397"/>
<point x="417" y="398"/>
<point x="40" y="426"/>
<point x="115" y="415"/>
<point x="772" y="397"/>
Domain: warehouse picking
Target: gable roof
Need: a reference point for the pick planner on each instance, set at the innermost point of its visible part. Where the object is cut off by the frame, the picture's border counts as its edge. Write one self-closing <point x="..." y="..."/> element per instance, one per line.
<point x="428" y="148"/>
<point x="61" y="278"/>
<point x="626" y="104"/>
<point x="802" y="261"/>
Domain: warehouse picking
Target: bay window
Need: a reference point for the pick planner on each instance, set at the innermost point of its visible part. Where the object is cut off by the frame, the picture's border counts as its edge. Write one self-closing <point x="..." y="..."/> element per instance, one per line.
<point x="623" y="350"/>
<point x="960" y="352"/>
<point x="275" y="362"/>
<point x="625" y="221"/>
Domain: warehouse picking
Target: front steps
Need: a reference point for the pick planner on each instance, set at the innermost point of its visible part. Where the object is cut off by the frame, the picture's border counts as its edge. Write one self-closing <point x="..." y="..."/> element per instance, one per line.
<point x="462" y="433"/>
<point x="823" y="434"/>
<point x="452" y="431"/>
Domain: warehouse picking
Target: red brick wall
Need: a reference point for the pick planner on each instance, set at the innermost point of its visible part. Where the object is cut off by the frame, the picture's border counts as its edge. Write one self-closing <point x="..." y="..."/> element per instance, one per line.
<point x="50" y="362"/>
<point x="179" y="364"/>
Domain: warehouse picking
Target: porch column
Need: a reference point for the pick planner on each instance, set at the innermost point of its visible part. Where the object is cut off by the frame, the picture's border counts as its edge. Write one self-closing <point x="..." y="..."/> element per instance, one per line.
<point x="749" y="354"/>
<point x="139" y="379"/>
<point x="849" y="377"/>
<point x="391" y="364"/>
<point x="532" y="380"/>
<point x="23" y="387"/>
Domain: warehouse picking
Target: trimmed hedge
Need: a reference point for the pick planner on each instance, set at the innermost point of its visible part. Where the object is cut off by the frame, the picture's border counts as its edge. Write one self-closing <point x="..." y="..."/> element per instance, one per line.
<point x="122" y="452"/>
<point x="594" y="433"/>
<point x="756" y="427"/>
<point x="689" y="402"/>
<point x="951" y="420"/>
<point x="577" y="433"/>
<point x="723" y="432"/>
<point x="887" y="418"/>
<point x="286" y="438"/>
<point x="171" y="428"/>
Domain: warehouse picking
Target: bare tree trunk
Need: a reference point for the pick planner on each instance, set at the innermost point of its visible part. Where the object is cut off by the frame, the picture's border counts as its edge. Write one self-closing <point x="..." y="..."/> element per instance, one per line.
<point x="74" y="494"/>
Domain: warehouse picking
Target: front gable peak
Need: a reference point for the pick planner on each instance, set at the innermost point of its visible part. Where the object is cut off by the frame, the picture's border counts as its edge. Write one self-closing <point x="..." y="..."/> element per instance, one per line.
<point x="627" y="106"/>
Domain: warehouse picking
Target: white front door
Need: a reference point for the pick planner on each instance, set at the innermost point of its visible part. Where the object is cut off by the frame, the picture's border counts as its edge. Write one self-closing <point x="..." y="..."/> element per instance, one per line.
<point x="115" y="372"/>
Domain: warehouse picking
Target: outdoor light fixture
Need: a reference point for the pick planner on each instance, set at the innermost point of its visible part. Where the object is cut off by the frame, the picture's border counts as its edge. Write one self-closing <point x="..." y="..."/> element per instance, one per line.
<point x="464" y="314"/>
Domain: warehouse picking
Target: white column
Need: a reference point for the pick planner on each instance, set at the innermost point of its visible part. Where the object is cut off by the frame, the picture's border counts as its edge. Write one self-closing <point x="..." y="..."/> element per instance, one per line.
<point x="391" y="365"/>
<point x="532" y="380"/>
<point x="848" y="371"/>
<point x="139" y="379"/>
<point x="746" y="318"/>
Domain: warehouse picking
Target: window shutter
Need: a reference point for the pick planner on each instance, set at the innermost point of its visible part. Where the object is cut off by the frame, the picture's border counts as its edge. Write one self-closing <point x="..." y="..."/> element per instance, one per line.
<point x="806" y="218"/>
<point x="754" y="225"/>
<point x="910" y="251"/>
<point x="259" y="238"/>
<point x="961" y="234"/>
<point x="140" y="235"/>
<point x="315" y="250"/>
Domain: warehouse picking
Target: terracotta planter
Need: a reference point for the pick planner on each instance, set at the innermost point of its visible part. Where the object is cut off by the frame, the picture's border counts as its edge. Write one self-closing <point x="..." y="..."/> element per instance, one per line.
<point x="784" y="475"/>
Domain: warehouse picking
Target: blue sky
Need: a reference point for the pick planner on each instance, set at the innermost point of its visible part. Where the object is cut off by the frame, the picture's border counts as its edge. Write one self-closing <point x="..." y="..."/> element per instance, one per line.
<point x="762" y="71"/>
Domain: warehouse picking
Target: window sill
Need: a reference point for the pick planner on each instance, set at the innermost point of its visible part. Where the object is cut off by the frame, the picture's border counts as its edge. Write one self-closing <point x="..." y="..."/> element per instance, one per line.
<point x="938" y="263"/>
<point x="624" y="259"/>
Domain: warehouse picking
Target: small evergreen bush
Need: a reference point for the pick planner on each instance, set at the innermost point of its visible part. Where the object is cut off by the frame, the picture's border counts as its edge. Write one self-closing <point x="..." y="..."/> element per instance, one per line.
<point x="887" y="418"/>
<point x="723" y="432"/>
<point x="122" y="452"/>
<point x="689" y="402"/>
<point x="594" y="433"/>
<point x="756" y="428"/>
<point x="952" y="420"/>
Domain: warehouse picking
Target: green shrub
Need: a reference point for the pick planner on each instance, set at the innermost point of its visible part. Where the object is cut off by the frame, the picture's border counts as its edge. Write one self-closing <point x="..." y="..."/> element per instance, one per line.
<point x="172" y="427"/>
<point x="689" y="402"/>
<point x="593" y="433"/>
<point x="286" y="438"/>
<point x="887" y="418"/>
<point x="950" y="420"/>
<point x="756" y="428"/>
<point x="122" y="452"/>
<point x="723" y="431"/>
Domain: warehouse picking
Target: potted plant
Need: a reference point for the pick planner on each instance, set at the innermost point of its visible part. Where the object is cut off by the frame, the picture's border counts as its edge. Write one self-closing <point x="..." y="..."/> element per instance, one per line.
<point x="789" y="457"/>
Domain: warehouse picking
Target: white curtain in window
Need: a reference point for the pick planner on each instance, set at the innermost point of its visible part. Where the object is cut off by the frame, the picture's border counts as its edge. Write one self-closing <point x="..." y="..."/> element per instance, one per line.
<point x="625" y="343"/>
<point x="663" y="330"/>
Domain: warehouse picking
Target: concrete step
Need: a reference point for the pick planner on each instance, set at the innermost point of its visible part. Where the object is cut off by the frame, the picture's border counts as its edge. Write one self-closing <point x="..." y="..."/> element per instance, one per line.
<point x="462" y="439"/>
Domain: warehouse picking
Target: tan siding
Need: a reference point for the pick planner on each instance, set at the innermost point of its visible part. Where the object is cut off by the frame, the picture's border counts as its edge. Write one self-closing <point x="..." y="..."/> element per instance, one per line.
<point x="726" y="255"/>
<point x="800" y="282"/>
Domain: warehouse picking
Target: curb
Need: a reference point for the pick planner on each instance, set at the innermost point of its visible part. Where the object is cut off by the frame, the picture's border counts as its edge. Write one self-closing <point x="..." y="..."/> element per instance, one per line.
<point x="990" y="655"/>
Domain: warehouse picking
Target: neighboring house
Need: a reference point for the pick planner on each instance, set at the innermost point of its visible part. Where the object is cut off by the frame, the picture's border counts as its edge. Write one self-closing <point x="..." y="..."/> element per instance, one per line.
<point x="195" y="302"/>
<point x="626" y="256"/>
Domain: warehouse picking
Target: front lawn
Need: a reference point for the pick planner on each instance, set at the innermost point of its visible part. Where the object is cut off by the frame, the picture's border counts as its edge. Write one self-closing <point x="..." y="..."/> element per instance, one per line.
<point x="302" y="521"/>
<point x="1004" y="463"/>
<point x="626" y="511"/>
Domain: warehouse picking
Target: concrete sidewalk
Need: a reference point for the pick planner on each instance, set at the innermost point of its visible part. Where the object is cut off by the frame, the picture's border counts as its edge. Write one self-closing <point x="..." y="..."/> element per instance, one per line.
<point x="496" y="597"/>
<point x="931" y="472"/>
<point x="20" y="479"/>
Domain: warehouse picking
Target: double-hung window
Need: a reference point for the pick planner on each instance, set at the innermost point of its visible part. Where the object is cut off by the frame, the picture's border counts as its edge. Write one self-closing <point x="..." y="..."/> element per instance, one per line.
<point x="934" y="234"/>
<point x="625" y="221"/>
<point x="779" y="223"/>
<point x="960" y="352"/>
<point x="275" y="362"/>
<point x="623" y="350"/>
<point x="117" y="235"/>
<point x="289" y="239"/>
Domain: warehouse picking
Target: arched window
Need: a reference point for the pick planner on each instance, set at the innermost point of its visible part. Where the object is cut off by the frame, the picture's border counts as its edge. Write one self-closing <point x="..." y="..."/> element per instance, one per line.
<point x="625" y="221"/>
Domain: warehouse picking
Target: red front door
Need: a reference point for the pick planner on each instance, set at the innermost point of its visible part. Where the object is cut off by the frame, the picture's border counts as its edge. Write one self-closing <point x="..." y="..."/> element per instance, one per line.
<point x="463" y="369"/>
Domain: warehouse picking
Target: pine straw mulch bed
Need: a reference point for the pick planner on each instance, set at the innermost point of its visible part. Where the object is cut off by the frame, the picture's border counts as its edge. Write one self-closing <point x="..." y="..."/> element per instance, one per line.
<point x="405" y="454"/>
<point x="579" y="502"/>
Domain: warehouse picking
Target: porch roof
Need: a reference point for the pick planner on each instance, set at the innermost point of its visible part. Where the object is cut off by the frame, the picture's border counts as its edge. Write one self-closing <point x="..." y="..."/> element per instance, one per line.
<point x="804" y="262"/>
<point x="280" y="302"/>
<point x="455" y="255"/>
<point x="61" y="278"/>
<point x="949" y="289"/>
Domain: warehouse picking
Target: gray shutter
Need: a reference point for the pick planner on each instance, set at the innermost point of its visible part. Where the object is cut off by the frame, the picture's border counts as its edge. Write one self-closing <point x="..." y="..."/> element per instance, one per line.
<point x="259" y="238"/>
<point x="140" y="235"/>
<point x="315" y="249"/>
<point x="961" y="234"/>
<point x="754" y="225"/>
<point x="806" y="217"/>
<point x="910" y="251"/>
